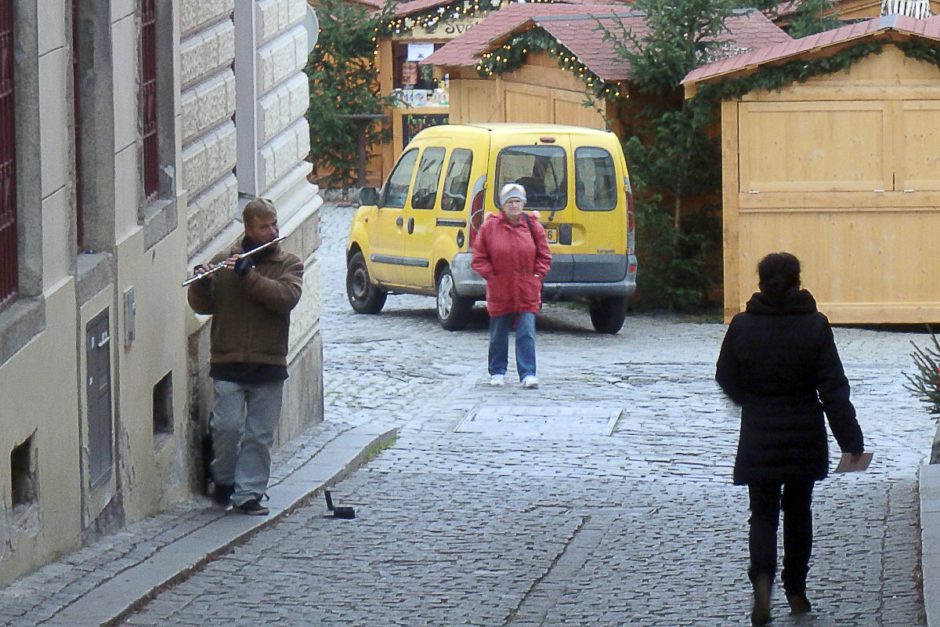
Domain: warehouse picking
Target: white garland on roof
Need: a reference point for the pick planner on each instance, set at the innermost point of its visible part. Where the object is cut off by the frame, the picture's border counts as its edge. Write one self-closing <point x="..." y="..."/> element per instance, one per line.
<point x="911" y="8"/>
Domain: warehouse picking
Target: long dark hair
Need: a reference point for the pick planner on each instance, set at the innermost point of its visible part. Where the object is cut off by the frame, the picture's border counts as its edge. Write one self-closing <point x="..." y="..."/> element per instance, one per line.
<point x="779" y="273"/>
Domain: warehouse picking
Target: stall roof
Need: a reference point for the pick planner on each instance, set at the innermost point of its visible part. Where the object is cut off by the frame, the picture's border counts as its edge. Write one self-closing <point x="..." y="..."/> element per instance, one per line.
<point x="814" y="45"/>
<point x="576" y="28"/>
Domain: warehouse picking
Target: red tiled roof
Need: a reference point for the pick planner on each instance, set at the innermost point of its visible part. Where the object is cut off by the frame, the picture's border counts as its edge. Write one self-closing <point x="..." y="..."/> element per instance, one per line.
<point x="813" y="44"/>
<point x="576" y="29"/>
<point x="466" y="49"/>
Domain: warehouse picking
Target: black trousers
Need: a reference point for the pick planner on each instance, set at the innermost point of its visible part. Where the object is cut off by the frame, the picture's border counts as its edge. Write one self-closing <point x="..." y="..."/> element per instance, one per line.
<point x="796" y="500"/>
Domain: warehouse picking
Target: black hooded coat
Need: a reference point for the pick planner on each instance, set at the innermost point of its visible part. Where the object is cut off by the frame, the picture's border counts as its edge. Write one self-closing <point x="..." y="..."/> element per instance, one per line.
<point x="779" y="362"/>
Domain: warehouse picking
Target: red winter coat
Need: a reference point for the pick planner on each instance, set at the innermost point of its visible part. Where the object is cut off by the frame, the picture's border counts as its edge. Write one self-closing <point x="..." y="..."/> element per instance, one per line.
<point x="513" y="259"/>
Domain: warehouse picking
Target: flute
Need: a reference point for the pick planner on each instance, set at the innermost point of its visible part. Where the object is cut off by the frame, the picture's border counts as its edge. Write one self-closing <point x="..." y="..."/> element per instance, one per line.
<point x="218" y="266"/>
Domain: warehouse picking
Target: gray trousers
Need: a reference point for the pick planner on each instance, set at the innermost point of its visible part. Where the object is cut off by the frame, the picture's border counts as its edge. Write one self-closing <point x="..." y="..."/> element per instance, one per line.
<point x="243" y="420"/>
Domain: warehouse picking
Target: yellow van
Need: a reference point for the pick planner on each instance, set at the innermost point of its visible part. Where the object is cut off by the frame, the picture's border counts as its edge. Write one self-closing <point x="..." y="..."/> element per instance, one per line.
<point x="414" y="235"/>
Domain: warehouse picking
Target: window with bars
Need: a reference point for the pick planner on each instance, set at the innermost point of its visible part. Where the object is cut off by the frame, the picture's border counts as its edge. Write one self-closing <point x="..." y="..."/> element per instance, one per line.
<point x="148" y="103"/>
<point x="9" y="266"/>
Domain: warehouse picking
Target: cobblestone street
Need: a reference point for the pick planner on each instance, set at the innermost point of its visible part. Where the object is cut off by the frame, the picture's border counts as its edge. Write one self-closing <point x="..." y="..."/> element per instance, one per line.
<point x="604" y="497"/>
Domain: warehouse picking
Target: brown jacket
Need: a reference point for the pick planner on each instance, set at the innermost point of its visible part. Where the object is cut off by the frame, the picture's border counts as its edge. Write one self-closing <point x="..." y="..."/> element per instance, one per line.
<point x="250" y="314"/>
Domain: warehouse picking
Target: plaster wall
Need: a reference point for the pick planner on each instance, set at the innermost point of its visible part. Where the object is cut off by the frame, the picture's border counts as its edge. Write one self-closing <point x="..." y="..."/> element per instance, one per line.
<point x="39" y="387"/>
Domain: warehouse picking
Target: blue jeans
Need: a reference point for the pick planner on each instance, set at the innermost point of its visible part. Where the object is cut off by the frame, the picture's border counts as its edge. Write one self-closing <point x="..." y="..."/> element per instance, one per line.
<point x="242" y="422"/>
<point x="525" y="344"/>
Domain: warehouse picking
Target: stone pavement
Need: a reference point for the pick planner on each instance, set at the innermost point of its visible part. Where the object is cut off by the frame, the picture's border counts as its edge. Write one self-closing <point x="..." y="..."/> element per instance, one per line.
<point x="602" y="498"/>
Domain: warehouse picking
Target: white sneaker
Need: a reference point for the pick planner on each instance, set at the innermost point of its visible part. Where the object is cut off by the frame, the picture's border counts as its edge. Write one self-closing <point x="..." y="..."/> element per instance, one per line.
<point x="530" y="381"/>
<point x="498" y="380"/>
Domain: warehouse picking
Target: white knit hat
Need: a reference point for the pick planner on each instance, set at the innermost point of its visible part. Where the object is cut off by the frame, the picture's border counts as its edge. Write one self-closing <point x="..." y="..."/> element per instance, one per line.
<point x="511" y="190"/>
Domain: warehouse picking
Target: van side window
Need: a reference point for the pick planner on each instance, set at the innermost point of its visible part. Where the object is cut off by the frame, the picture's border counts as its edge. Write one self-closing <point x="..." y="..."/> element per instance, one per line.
<point x="457" y="180"/>
<point x="595" y="179"/>
<point x="396" y="188"/>
<point x="429" y="175"/>
<point x="539" y="169"/>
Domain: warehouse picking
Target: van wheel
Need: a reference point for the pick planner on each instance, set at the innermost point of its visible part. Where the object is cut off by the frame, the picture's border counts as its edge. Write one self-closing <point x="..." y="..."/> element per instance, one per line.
<point x="453" y="311"/>
<point x="363" y="296"/>
<point x="607" y="314"/>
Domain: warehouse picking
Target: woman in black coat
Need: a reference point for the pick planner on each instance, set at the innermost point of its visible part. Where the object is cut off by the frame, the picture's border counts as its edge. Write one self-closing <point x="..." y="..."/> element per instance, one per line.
<point x="779" y="362"/>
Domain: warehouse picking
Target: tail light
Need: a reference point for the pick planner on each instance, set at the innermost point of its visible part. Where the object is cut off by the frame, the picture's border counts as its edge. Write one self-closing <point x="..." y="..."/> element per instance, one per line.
<point x="476" y="215"/>
<point x="631" y="216"/>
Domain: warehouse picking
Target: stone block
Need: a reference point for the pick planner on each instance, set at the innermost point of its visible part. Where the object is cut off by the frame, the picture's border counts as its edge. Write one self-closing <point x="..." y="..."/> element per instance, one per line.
<point x="196" y="13"/>
<point x="208" y="104"/>
<point x="53" y="119"/>
<point x="208" y="158"/>
<point x="126" y="83"/>
<point x="281" y="57"/>
<point x="209" y="212"/>
<point x="51" y="26"/>
<point x="283" y="106"/>
<point x="206" y="52"/>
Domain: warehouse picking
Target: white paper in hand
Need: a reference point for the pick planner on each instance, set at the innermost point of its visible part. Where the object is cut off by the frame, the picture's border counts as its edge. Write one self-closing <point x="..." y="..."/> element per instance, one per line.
<point x="846" y="464"/>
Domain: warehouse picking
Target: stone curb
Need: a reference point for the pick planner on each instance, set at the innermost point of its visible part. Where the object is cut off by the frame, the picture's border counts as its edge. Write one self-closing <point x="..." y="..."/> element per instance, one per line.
<point x="930" y="539"/>
<point x="115" y="599"/>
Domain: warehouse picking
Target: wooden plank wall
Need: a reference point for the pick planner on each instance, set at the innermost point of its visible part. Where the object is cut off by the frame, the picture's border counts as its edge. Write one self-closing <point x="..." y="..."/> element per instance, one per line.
<point x="844" y="172"/>
<point x="536" y="92"/>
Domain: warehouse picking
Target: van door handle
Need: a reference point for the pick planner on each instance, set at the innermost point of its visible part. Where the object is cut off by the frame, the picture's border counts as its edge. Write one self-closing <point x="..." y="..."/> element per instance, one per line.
<point x="399" y="221"/>
<point x="411" y="226"/>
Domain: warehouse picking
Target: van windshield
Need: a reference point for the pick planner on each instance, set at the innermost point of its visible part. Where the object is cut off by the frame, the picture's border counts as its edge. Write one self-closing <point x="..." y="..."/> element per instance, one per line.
<point x="539" y="169"/>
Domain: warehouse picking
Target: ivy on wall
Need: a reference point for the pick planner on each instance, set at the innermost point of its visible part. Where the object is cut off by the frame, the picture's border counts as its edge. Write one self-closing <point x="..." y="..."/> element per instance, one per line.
<point x="512" y="54"/>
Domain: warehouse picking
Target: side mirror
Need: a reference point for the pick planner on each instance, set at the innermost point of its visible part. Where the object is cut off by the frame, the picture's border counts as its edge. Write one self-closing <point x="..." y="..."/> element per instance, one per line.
<point x="368" y="196"/>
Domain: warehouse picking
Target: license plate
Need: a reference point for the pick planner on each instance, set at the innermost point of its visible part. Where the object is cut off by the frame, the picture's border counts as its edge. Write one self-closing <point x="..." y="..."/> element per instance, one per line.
<point x="551" y="233"/>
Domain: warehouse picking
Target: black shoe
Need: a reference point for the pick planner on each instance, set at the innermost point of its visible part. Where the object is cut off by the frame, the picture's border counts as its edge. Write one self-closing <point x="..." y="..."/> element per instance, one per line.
<point x="760" y="614"/>
<point x="799" y="604"/>
<point x="252" y="508"/>
<point x="222" y="494"/>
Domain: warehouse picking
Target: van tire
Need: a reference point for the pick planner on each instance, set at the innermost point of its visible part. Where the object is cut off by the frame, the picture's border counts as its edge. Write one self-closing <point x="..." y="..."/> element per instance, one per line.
<point x="364" y="297"/>
<point x="453" y="311"/>
<point x="608" y="314"/>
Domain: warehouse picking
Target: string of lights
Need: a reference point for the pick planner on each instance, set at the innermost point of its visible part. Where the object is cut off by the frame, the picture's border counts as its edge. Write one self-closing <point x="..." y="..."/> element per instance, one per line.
<point x="430" y="19"/>
<point x="511" y="56"/>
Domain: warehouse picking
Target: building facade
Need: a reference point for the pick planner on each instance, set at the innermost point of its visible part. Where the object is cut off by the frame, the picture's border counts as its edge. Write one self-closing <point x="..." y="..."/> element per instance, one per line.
<point x="122" y="127"/>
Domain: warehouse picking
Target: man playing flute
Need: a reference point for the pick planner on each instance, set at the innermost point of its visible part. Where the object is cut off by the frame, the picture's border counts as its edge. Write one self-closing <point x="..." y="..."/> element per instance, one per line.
<point x="250" y="301"/>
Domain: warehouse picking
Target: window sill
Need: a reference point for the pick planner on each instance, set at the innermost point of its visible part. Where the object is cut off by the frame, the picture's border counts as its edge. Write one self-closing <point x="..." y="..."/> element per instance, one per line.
<point x="19" y="324"/>
<point x="160" y="219"/>
<point x="92" y="274"/>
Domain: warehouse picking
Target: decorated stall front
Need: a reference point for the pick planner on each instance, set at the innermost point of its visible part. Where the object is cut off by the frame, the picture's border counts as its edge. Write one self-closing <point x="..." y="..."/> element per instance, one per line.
<point x="553" y="64"/>
<point x="830" y="151"/>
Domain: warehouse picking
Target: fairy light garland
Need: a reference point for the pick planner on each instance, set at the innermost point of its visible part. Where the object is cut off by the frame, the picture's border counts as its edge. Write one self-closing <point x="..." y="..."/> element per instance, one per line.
<point x="511" y="56"/>
<point x="434" y="17"/>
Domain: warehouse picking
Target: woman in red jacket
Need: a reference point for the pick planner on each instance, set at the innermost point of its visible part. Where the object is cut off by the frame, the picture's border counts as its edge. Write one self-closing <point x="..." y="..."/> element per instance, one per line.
<point x="511" y="253"/>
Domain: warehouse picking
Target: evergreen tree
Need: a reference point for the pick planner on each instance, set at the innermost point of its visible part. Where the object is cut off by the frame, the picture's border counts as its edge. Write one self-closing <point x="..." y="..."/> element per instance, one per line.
<point x="813" y="16"/>
<point x="673" y="157"/>
<point x="343" y="80"/>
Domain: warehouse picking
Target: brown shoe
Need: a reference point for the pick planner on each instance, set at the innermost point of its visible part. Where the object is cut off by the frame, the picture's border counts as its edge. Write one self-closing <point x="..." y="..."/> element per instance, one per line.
<point x="799" y="604"/>
<point x="760" y="614"/>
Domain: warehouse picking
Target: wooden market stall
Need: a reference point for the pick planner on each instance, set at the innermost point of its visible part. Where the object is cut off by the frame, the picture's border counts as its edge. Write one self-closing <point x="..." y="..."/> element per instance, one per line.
<point x="415" y="30"/>
<point x="843" y="170"/>
<point x="553" y="64"/>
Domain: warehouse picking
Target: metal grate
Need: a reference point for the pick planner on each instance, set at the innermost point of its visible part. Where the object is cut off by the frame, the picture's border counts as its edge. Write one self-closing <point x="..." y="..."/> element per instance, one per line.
<point x="9" y="267"/>
<point x="148" y="103"/>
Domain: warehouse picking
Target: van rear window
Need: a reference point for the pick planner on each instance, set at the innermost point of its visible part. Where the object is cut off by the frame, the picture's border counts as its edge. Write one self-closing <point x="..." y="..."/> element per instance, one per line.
<point x="595" y="179"/>
<point x="539" y="169"/>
